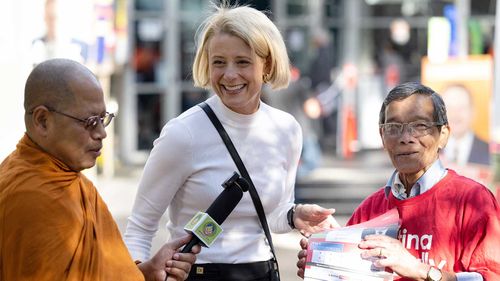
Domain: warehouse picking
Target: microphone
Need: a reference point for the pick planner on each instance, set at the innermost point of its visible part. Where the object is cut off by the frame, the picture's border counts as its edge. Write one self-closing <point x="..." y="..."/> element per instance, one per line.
<point x="205" y="227"/>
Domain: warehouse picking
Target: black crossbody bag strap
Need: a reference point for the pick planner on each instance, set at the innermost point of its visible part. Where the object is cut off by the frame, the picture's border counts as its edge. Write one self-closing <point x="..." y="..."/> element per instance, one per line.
<point x="243" y="171"/>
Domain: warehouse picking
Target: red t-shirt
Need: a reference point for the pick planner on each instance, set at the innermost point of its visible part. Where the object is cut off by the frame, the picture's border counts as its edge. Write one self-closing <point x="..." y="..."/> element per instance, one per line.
<point x="455" y="225"/>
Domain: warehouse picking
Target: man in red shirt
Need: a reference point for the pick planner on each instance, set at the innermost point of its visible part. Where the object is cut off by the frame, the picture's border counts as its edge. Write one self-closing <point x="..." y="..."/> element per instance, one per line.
<point x="450" y="224"/>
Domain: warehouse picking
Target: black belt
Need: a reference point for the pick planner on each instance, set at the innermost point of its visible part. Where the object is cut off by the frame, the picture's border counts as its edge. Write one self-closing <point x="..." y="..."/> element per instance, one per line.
<point x="229" y="271"/>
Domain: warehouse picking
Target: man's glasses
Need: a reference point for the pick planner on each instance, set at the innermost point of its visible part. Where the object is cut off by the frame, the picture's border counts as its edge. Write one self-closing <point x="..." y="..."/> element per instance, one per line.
<point x="91" y="122"/>
<point x="416" y="129"/>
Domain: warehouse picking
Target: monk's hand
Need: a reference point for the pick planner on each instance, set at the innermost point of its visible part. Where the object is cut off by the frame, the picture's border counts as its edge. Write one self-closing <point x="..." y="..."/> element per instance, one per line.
<point x="311" y="218"/>
<point x="302" y="255"/>
<point x="168" y="263"/>
<point x="386" y="251"/>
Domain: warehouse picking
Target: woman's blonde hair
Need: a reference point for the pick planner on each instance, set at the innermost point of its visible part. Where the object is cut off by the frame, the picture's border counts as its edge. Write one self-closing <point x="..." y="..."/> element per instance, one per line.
<point x="256" y="30"/>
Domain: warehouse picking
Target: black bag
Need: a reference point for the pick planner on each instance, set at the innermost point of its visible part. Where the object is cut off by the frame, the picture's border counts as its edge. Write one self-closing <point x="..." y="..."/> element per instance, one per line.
<point x="254" y="271"/>
<point x="275" y="274"/>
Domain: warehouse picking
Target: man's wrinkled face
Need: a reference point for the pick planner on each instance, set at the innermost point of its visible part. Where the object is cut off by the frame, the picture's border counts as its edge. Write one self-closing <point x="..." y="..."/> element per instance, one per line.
<point x="69" y="140"/>
<point x="411" y="153"/>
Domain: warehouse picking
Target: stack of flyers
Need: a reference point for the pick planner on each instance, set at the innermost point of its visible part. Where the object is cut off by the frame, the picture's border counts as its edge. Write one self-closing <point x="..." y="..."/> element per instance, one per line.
<point x="334" y="254"/>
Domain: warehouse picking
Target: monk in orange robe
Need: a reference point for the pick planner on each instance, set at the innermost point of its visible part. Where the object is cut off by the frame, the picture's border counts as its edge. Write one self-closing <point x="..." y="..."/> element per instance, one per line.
<point x="53" y="223"/>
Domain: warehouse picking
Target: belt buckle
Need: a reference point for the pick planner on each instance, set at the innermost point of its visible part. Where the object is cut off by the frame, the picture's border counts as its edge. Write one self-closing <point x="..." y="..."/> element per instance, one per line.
<point x="200" y="270"/>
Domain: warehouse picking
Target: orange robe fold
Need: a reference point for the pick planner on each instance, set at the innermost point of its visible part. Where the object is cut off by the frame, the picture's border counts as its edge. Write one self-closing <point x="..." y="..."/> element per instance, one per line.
<point x="54" y="225"/>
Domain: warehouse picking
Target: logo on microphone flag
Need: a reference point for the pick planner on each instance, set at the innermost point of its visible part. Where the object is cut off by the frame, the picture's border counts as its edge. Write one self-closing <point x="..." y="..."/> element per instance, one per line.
<point x="204" y="227"/>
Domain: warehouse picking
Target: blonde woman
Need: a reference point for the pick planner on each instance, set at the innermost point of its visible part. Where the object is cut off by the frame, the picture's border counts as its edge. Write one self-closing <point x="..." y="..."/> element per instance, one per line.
<point x="239" y="50"/>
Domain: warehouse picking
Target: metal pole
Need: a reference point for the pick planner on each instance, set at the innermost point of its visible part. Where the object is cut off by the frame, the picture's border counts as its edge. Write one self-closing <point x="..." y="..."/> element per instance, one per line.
<point x="128" y="109"/>
<point x="495" y="110"/>
<point x="279" y="11"/>
<point x="350" y="51"/>
<point x="172" y="100"/>
<point x="463" y="14"/>
<point x="316" y="15"/>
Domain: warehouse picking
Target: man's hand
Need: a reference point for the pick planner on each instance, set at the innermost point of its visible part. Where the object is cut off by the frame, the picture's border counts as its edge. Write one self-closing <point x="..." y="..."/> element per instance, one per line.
<point x="311" y="218"/>
<point x="169" y="261"/>
<point x="302" y="255"/>
<point x="389" y="252"/>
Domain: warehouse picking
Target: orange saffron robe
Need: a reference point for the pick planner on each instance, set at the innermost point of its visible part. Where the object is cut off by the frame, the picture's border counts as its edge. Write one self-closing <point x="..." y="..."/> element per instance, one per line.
<point x="54" y="225"/>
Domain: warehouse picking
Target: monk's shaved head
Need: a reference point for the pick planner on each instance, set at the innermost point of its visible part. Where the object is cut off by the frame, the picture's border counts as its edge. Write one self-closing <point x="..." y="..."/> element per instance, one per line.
<point x="61" y="95"/>
<point x="50" y="83"/>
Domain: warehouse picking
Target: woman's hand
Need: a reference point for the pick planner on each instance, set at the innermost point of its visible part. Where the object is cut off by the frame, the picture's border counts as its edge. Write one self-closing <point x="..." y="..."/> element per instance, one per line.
<point x="311" y="218"/>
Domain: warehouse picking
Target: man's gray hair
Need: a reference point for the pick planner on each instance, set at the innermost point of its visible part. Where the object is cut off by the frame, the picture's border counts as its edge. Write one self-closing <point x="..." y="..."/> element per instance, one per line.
<point x="407" y="89"/>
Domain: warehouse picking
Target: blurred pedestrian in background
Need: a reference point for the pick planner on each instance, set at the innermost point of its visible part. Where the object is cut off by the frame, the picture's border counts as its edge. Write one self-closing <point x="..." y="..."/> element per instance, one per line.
<point x="320" y="74"/>
<point x="239" y="50"/>
<point x="321" y="65"/>
<point x="55" y="44"/>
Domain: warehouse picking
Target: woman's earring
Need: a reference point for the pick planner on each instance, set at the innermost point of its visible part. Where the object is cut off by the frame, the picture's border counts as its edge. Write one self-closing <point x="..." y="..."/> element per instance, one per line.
<point x="265" y="77"/>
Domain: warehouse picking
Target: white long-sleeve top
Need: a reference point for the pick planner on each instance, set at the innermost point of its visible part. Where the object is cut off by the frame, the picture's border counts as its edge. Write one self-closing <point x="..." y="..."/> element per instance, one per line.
<point x="188" y="164"/>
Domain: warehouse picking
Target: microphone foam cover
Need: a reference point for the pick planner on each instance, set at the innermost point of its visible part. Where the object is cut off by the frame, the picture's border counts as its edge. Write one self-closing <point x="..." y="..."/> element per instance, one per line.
<point x="225" y="203"/>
